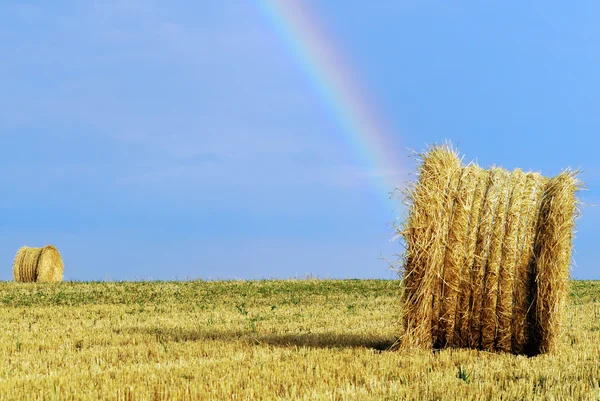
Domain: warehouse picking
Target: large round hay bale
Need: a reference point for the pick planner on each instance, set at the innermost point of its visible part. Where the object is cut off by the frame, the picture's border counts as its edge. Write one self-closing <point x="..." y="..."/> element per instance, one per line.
<point x="487" y="256"/>
<point x="43" y="265"/>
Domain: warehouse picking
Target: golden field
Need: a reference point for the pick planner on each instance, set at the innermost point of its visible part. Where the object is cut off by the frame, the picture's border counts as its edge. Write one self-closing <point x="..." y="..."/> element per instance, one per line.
<point x="255" y="340"/>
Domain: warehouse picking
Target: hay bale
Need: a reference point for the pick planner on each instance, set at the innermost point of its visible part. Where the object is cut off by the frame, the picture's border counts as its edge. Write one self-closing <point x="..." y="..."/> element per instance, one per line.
<point x="42" y="265"/>
<point x="487" y="256"/>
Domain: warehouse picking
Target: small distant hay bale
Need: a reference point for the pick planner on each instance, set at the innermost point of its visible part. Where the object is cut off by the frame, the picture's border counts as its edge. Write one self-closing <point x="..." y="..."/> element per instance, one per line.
<point x="42" y="265"/>
<point x="487" y="256"/>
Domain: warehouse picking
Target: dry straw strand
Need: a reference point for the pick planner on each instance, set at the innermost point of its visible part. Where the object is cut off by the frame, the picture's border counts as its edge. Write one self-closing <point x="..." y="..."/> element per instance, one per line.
<point x="490" y="295"/>
<point x="447" y="279"/>
<point x="553" y="255"/>
<point x="524" y="279"/>
<point x="480" y="183"/>
<point x="425" y="246"/>
<point x="480" y="260"/>
<point x="448" y="163"/>
<point x="520" y="285"/>
<point x="508" y="262"/>
<point x="419" y="232"/>
<point x="455" y="251"/>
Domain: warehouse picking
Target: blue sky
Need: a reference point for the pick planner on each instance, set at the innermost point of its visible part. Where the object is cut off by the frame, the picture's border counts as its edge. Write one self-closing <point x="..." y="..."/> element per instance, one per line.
<point x="174" y="140"/>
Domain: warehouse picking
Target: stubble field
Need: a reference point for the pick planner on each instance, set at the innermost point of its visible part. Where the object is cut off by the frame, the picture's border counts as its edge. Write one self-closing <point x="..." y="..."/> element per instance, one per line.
<point x="306" y="339"/>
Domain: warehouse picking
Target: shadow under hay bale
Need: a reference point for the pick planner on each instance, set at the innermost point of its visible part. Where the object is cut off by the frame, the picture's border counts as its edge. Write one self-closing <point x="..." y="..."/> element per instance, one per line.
<point x="43" y="265"/>
<point x="487" y="256"/>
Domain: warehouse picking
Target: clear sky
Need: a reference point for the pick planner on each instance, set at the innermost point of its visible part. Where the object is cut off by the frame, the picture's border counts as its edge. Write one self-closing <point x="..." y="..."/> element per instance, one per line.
<point x="186" y="139"/>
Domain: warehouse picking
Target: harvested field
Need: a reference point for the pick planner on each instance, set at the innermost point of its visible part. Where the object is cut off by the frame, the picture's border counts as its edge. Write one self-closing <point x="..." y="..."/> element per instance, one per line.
<point x="271" y="340"/>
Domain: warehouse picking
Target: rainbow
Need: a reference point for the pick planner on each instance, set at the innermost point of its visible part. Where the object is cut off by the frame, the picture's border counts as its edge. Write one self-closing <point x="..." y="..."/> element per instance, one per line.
<point x="362" y="128"/>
